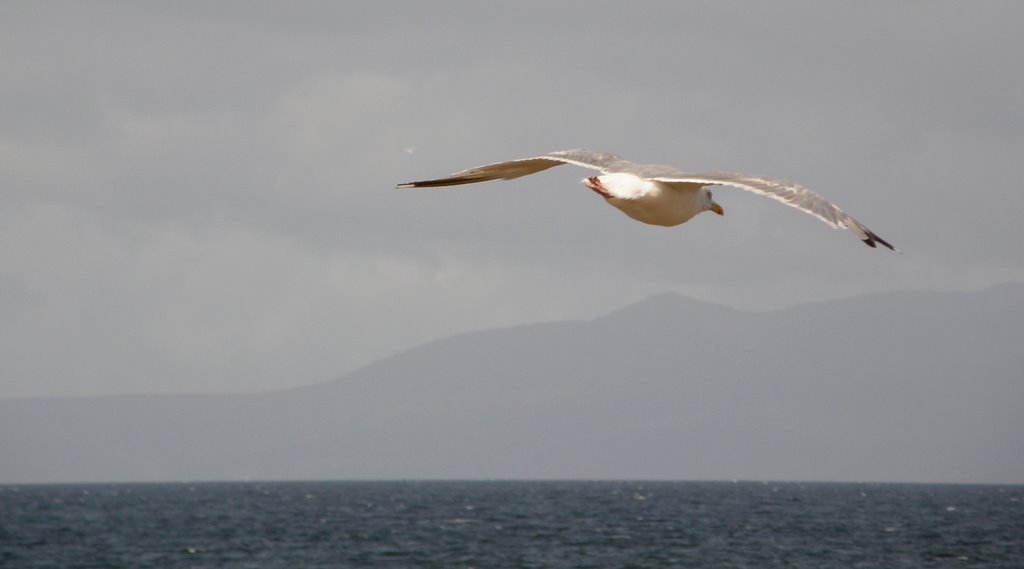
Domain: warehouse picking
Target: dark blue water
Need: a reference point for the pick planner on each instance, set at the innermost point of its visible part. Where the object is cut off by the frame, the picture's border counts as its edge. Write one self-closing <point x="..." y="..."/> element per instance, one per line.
<point x="511" y="524"/>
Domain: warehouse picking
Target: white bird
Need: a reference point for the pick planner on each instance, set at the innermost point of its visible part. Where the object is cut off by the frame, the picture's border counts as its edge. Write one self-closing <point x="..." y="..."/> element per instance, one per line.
<point x="657" y="194"/>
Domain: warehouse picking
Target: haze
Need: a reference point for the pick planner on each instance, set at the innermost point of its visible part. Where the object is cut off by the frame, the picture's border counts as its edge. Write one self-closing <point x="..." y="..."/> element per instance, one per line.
<point x="199" y="198"/>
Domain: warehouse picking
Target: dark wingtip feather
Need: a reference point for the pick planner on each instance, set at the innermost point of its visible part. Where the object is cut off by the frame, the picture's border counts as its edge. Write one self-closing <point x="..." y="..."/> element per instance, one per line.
<point x="445" y="182"/>
<point x="872" y="238"/>
<point x="423" y="184"/>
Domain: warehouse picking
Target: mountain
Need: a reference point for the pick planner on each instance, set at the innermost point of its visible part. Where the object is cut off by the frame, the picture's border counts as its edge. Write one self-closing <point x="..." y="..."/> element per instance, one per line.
<point x="915" y="386"/>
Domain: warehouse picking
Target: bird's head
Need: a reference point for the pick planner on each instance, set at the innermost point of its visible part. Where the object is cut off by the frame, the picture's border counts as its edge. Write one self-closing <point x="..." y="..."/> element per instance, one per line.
<point x="709" y="204"/>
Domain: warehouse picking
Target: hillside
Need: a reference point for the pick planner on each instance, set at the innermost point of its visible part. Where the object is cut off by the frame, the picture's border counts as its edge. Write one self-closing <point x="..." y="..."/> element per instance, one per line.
<point x="895" y="387"/>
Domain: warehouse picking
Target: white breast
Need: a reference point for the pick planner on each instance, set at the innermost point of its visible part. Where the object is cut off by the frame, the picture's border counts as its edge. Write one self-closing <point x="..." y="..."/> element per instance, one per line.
<point x="651" y="202"/>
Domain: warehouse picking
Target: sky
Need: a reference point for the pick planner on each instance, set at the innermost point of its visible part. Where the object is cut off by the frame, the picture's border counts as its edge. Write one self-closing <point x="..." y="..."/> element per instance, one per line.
<point x="199" y="197"/>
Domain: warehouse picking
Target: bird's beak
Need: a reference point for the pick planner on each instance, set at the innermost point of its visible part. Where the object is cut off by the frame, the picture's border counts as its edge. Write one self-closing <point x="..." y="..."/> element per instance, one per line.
<point x="717" y="208"/>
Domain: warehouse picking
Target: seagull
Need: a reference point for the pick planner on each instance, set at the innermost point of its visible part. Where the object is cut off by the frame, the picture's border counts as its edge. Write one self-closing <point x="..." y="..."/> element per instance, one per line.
<point x="660" y="195"/>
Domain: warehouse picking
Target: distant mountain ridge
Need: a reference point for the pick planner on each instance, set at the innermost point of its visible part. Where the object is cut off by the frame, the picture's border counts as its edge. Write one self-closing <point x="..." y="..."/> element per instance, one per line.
<point x="914" y="386"/>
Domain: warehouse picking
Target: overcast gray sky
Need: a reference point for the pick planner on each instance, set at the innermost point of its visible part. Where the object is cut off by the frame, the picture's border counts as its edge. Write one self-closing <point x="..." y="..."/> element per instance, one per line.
<point x="199" y="196"/>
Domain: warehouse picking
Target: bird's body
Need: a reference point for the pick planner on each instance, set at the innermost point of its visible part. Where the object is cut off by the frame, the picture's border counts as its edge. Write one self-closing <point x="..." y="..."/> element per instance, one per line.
<point x="648" y="201"/>
<point x="660" y="195"/>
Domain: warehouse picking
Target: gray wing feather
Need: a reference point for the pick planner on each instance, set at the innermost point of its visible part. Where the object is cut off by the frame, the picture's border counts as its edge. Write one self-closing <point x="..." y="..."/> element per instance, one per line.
<point x="600" y="161"/>
<point x="512" y="169"/>
<point x="789" y="193"/>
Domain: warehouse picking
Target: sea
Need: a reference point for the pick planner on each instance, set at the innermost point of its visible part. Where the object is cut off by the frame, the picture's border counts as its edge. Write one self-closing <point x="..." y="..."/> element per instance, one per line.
<point x="522" y="524"/>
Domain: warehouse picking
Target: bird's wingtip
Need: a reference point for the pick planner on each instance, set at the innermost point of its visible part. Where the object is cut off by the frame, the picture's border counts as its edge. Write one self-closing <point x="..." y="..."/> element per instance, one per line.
<point x="872" y="239"/>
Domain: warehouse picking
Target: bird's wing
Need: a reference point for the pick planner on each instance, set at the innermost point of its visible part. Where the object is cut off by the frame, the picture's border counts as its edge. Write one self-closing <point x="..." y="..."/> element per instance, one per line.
<point x="601" y="161"/>
<point x="789" y="193"/>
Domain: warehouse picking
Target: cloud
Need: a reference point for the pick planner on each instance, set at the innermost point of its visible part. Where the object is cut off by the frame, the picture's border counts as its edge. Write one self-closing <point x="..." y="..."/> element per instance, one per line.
<point x="203" y="199"/>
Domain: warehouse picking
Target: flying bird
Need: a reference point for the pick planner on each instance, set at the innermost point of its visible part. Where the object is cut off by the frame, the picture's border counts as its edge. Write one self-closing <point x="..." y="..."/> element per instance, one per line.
<point x="657" y="194"/>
